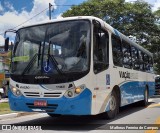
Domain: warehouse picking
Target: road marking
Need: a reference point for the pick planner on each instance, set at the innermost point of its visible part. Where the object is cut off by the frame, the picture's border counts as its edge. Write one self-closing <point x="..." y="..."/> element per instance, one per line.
<point x="154" y="105"/>
<point x="154" y="131"/>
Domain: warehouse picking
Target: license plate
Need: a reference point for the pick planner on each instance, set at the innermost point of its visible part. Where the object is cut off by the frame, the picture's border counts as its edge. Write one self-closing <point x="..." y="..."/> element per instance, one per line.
<point x="40" y="103"/>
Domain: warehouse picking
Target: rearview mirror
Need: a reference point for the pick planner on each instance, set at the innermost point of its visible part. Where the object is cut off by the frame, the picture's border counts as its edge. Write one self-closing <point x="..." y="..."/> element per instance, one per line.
<point x="6" y="44"/>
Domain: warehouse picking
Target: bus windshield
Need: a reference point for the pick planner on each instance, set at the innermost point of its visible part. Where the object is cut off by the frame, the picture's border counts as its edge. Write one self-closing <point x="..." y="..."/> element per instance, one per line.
<point x="53" y="48"/>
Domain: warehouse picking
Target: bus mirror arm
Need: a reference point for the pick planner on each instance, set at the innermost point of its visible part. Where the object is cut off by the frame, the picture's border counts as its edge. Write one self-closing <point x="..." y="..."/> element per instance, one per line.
<point x="7" y="38"/>
<point x="10" y="30"/>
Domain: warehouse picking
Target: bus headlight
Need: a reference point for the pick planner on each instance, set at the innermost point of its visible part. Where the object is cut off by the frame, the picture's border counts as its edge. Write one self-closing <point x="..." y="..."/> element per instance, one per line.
<point x="78" y="90"/>
<point x="74" y="91"/>
<point x="16" y="91"/>
<point x="70" y="93"/>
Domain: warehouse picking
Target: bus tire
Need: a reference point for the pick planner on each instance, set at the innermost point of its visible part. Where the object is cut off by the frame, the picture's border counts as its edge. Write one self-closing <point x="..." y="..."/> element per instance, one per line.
<point x="114" y="107"/>
<point x="54" y="115"/>
<point x="146" y="96"/>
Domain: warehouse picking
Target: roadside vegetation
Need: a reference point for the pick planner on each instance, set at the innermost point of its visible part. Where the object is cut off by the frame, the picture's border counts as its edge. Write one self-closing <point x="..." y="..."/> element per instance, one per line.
<point x="4" y="108"/>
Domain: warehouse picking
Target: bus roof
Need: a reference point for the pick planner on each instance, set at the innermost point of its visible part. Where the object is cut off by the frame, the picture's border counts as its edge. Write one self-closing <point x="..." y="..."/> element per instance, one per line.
<point x="103" y="24"/>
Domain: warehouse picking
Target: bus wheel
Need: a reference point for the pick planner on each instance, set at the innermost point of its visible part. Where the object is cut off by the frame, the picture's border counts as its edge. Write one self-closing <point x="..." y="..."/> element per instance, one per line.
<point x="114" y="106"/>
<point x="54" y="115"/>
<point x="146" y="96"/>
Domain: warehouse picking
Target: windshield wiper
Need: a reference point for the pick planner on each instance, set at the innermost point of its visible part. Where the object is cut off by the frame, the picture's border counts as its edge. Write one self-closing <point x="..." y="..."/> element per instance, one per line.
<point x="32" y="60"/>
<point x="39" y="53"/>
<point x="53" y="60"/>
<point x="30" y="64"/>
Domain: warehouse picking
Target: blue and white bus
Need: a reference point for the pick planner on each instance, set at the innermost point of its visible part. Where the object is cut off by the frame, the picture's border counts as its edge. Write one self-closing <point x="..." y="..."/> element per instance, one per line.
<point x="78" y="66"/>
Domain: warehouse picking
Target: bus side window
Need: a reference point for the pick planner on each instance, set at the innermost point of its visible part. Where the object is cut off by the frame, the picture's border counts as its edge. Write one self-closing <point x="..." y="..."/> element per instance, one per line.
<point x="135" y="63"/>
<point x="117" y="51"/>
<point x="146" y="62"/>
<point x="127" y="59"/>
<point x="141" y="60"/>
<point x="150" y="64"/>
<point x="100" y="53"/>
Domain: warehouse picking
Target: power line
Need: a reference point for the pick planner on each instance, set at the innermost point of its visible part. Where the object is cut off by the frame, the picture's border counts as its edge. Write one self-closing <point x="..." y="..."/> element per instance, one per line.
<point x="35" y="16"/>
<point x="27" y="20"/>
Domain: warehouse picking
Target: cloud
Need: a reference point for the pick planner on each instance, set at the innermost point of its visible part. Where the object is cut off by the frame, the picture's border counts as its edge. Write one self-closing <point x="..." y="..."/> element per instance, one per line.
<point x="40" y="5"/>
<point x="9" y="6"/>
<point x="156" y="5"/>
<point x="1" y="8"/>
<point x="59" y="16"/>
<point x="12" y="18"/>
<point x="1" y="40"/>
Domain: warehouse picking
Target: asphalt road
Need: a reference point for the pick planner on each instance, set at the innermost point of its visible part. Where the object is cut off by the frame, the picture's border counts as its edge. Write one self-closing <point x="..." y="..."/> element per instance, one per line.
<point x="129" y="115"/>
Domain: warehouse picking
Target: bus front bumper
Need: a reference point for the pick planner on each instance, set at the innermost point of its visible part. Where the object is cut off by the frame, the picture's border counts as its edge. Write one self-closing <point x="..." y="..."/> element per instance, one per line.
<point x="79" y="105"/>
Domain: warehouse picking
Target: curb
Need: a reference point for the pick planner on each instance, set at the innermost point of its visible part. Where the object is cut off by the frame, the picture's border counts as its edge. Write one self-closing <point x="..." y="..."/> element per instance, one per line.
<point x="7" y="116"/>
<point x="26" y="113"/>
<point x="13" y="115"/>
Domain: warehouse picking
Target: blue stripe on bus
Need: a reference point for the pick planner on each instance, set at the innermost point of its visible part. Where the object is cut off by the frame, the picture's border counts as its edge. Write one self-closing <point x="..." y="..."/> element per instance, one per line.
<point x="133" y="91"/>
<point x="80" y="105"/>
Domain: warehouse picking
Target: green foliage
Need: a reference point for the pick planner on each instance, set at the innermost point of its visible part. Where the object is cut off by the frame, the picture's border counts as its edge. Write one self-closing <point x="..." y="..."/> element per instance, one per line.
<point x="157" y="13"/>
<point x="4" y="108"/>
<point x="135" y="19"/>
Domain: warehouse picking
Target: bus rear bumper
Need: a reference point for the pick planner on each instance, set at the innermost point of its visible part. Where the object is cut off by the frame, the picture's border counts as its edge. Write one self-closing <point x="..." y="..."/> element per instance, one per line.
<point x="79" y="105"/>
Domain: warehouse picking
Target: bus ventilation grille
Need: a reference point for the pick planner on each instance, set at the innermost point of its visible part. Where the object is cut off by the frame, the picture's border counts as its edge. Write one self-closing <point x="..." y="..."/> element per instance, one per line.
<point x="48" y="108"/>
<point x="46" y="95"/>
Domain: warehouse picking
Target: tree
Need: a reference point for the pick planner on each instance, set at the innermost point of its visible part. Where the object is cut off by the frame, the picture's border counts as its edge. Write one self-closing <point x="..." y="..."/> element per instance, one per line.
<point x="135" y="19"/>
<point x="155" y="48"/>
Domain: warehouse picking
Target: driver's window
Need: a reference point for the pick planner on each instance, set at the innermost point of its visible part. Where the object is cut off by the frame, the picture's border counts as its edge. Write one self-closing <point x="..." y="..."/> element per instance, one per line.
<point x="100" y="50"/>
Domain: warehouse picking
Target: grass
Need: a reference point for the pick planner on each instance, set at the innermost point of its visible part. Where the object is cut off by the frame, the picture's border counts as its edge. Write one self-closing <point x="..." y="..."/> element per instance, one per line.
<point x="4" y="108"/>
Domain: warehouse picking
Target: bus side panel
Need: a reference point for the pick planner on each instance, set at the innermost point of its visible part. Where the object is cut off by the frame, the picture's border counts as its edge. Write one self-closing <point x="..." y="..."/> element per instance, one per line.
<point x="132" y="84"/>
<point x="151" y="83"/>
<point x="151" y="88"/>
<point x="102" y="91"/>
<point x="132" y="91"/>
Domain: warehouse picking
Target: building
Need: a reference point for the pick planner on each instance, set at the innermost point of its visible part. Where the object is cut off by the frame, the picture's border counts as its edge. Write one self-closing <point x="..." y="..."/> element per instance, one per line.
<point x="4" y="67"/>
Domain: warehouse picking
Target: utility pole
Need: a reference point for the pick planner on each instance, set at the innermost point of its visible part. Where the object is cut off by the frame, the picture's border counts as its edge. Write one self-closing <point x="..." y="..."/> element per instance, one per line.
<point x="50" y="5"/>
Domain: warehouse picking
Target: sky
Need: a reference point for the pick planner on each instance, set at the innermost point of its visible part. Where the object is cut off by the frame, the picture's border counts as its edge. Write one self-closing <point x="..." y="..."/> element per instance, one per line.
<point x="15" y="12"/>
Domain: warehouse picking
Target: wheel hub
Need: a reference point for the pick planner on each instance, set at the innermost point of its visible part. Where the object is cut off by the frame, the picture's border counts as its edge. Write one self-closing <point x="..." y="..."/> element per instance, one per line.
<point x="112" y="103"/>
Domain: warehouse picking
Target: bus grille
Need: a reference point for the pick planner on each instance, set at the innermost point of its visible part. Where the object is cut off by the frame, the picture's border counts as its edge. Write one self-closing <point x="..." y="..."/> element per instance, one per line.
<point x="32" y="94"/>
<point x="46" y="94"/>
<point x="48" y="108"/>
<point x="55" y="94"/>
